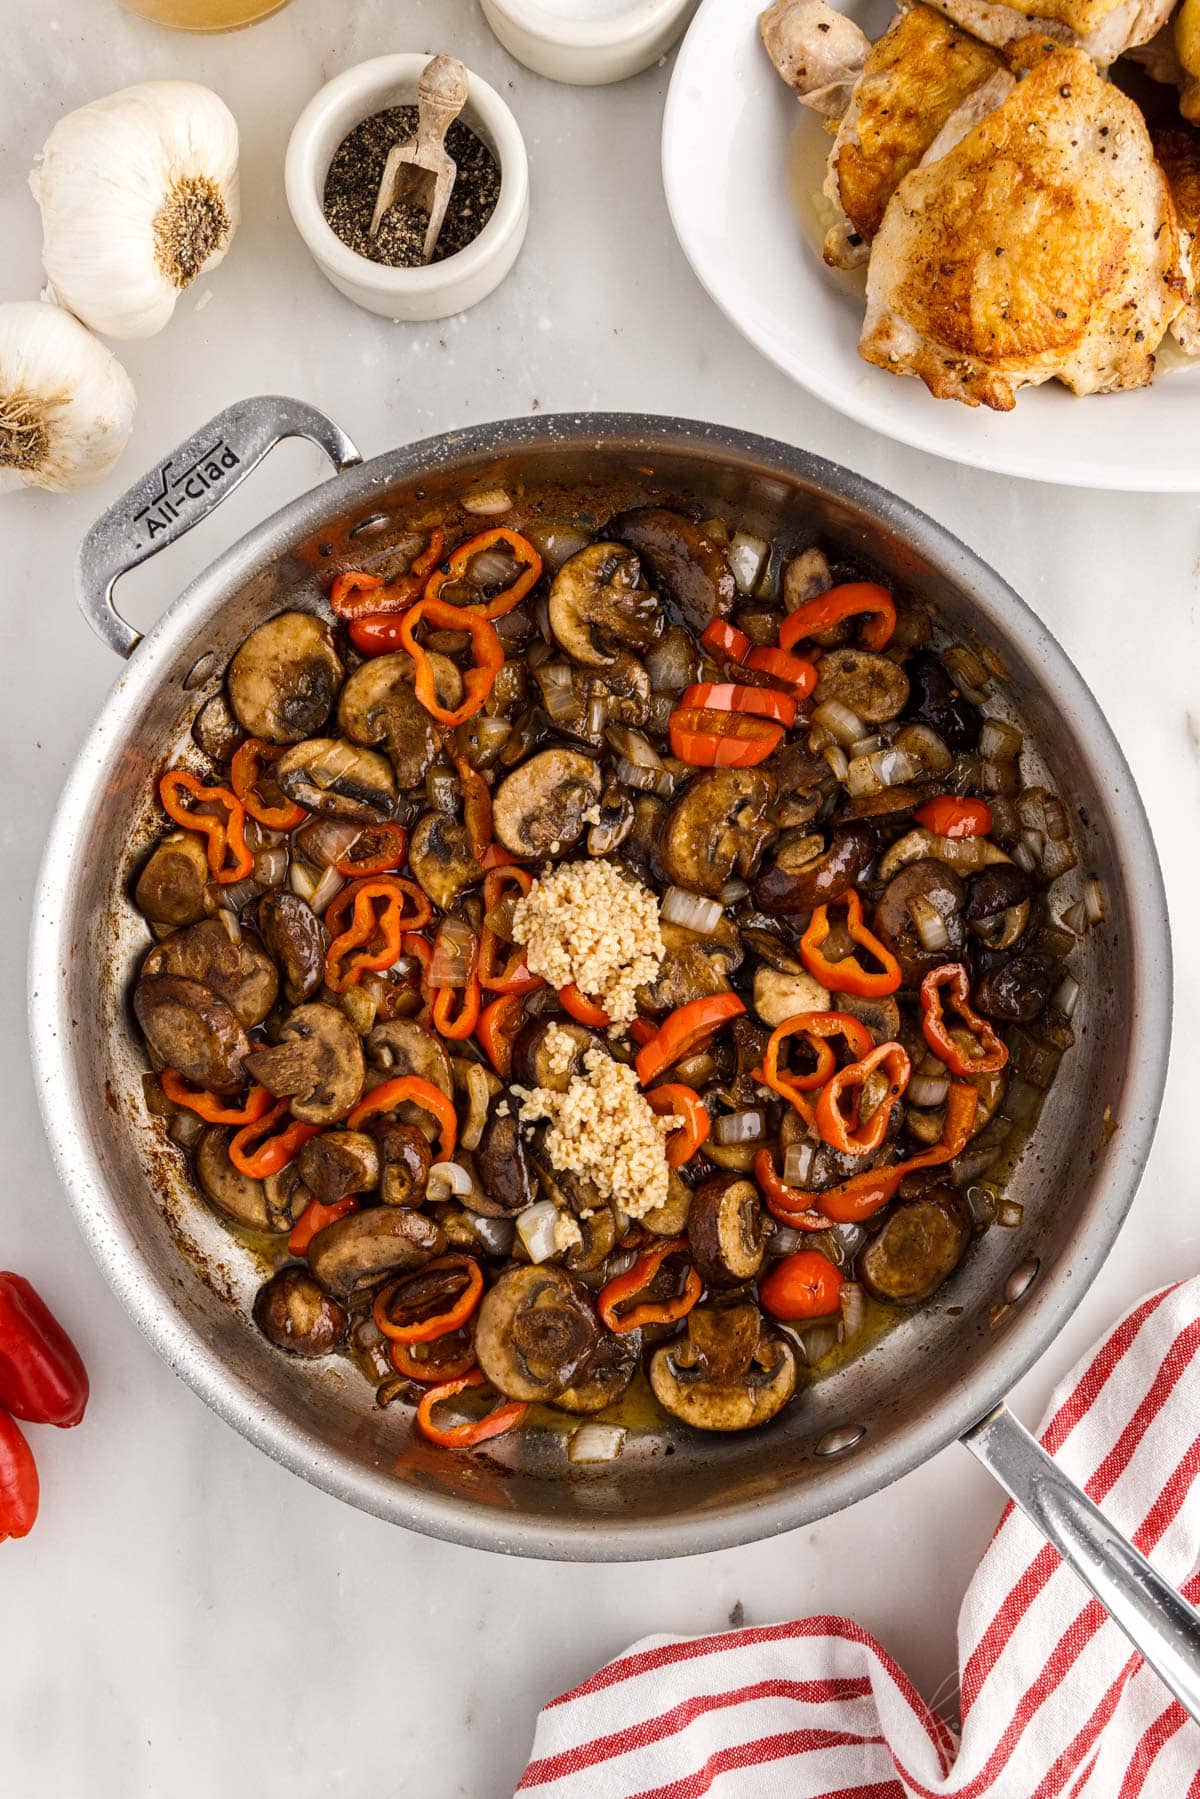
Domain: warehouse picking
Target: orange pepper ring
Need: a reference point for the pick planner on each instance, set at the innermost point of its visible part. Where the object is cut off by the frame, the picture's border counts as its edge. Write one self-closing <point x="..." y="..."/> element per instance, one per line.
<point x="865" y="1135"/>
<point x="936" y="1032"/>
<point x="465" y="1436"/>
<point x="849" y="975"/>
<point x="219" y="835"/>
<point x="245" y="770"/>
<point x="635" y="1279"/>
<point x="208" y="1106"/>
<point x="442" y="1323"/>
<point x="455" y="569"/>
<point x="390" y="1094"/>
<point x="686" y="1104"/>
<point x="478" y="681"/>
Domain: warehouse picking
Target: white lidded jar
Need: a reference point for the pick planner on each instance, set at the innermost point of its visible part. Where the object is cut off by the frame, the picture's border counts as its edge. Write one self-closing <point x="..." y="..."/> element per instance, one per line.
<point x="588" y="42"/>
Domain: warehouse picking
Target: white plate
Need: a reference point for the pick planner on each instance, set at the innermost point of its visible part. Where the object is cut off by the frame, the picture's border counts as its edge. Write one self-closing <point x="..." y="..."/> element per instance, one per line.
<point x="741" y="160"/>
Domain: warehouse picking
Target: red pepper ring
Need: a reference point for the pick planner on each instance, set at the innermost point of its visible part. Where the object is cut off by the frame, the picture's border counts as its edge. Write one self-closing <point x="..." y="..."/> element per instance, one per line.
<point x="348" y="597"/>
<point x="706" y="738"/>
<point x="314" y="1218"/>
<point x="817" y="1028"/>
<point x="444" y="1360"/>
<point x="846" y="601"/>
<point x="950" y="816"/>
<point x="425" y="1330"/>
<point x="497" y="1027"/>
<point x="993" y="1053"/>
<point x="477" y="682"/>
<point x="224" y="836"/>
<point x="377" y="850"/>
<point x="390" y="925"/>
<point x="791" y="1205"/>
<point x="684" y="1030"/>
<point x="514" y="975"/>
<point x="210" y="1106"/>
<point x="465" y="1436"/>
<point x="456" y="1025"/>
<point x="245" y="772"/>
<point x="867" y="1134"/>
<point x="271" y="1153"/>
<point x="390" y="1094"/>
<point x="730" y="696"/>
<point x="849" y="975"/>
<point x="626" y="1286"/>
<point x="42" y="1377"/>
<point x="340" y="909"/>
<point x="455" y="569"/>
<point x="796" y="672"/>
<point x="582" y="1009"/>
<point x="690" y="1109"/>
<point x="725" y="641"/>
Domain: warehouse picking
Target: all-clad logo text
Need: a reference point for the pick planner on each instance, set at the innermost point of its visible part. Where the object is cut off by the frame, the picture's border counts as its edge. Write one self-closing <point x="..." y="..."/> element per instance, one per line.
<point x="178" y="486"/>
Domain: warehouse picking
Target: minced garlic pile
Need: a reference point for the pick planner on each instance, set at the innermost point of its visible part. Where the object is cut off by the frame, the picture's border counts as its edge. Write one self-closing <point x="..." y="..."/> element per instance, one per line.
<point x="588" y="923"/>
<point x="602" y="1128"/>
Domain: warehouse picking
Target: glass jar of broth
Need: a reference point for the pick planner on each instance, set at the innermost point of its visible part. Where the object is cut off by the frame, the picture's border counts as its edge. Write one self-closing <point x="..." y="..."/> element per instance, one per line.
<point x="204" y="15"/>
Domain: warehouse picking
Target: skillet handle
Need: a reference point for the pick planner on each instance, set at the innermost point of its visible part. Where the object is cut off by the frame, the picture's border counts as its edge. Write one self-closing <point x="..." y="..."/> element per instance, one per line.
<point x="1157" y="1621"/>
<point x="185" y="487"/>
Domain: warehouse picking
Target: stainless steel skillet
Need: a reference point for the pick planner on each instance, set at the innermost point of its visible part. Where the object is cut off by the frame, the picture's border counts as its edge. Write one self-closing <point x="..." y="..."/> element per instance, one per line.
<point x="943" y="1374"/>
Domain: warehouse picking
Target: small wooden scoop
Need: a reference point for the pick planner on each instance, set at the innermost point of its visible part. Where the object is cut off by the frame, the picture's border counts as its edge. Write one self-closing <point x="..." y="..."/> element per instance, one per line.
<point x="419" y="173"/>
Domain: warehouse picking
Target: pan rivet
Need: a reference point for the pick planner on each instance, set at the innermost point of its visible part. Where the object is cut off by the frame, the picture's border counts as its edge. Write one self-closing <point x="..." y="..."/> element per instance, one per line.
<point x="366" y="527"/>
<point x="200" y="671"/>
<point x="1020" y="1280"/>
<point x="835" y="1442"/>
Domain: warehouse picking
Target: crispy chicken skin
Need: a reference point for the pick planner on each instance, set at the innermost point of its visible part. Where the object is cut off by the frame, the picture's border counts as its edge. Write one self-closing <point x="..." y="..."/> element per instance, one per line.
<point x="1043" y="245"/>
<point x="819" y="52"/>
<point x="1177" y="146"/>
<point x="1104" y="28"/>
<point x="917" y="75"/>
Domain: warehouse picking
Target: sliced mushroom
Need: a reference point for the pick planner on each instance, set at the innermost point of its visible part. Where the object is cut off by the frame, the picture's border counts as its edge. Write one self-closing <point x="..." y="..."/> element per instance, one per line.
<point x="337" y="1163"/>
<point x="920" y="1245"/>
<point x="670" y="1219"/>
<point x="317" y="1064"/>
<point x="684" y="562"/>
<point x="598" y="1239"/>
<point x="965" y="854"/>
<point x="778" y="995"/>
<point x="721" y="1340"/>
<point x="502" y="1164"/>
<point x="997" y="909"/>
<point x="802" y="874"/>
<point x="193" y="1030"/>
<point x="881" y="1016"/>
<point x="1017" y="991"/>
<point x="401" y="1046"/>
<point x="439" y="855"/>
<point x="531" y="1062"/>
<point x="536" y="1332"/>
<point x="216" y="730"/>
<point x="694" y="966"/>
<point x="738" y="1404"/>
<point x="364" y="1245"/>
<point x="297" y="939"/>
<point x="624" y="689"/>
<point x="874" y="687"/>
<point x="717" y="825"/>
<point x="286" y="1196"/>
<point x="540" y="809"/>
<point x="569" y="1191"/>
<point x="610" y="1369"/>
<point x="173" y="887"/>
<point x="235" y="1194"/>
<point x="599" y="605"/>
<point x="614" y="824"/>
<point x="926" y="884"/>
<point x="294" y="1314"/>
<point x="725" y="1230"/>
<point x="336" y="778"/>
<point x="284" y="678"/>
<point x="405" y="1159"/>
<point x="804" y="577"/>
<point x="378" y="705"/>
<point x="235" y="967"/>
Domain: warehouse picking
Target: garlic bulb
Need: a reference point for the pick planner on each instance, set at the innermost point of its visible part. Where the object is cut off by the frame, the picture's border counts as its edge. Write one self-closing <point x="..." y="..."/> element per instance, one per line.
<point x="66" y="404"/>
<point x="139" y="195"/>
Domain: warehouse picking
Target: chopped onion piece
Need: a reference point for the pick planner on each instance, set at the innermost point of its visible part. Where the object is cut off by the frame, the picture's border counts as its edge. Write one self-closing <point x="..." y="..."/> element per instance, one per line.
<point x="1075" y="919"/>
<point x="854" y="1310"/>
<point x="186" y="1129"/>
<point x="746" y="1126"/>
<point x="453" y="954"/>
<point x="487" y="501"/>
<point x="645" y="780"/>
<point x="967" y="671"/>
<point x="926" y="748"/>
<point x="596" y="1443"/>
<point x="846" y="726"/>
<point x="535" y="1227"/>
<point x="734" y="890"/>
<point x="1057" y="828"/>
<point x="691" y="911"/>
<point x="597" y="715"/>
<point x="797" y="1164"/>
<point x="447" y="1180"/>
<point x="633" y="747"/>
<point x="927" y="1090"/>
<point x="929" y="924"/>
<point x="862" y="777"/>
<point x="1057" y="859"/>
<point x="557" y="543"/>
<point x="1025" y="859"/>
<point x="865" y="745"/>
<point x="747" y="556"/>
<point x="226" y="899"/>
<point x="1010" y="1214"/>
<point x="999" y="741"/>
<point x="271" y="866"/>
<point x="558" y="692"/>
<point x="836" y="758"/>
<point x="816" y="1341"/>
<point x="495" y="1234"/>
<point x="500" y="919"/>
<point x="323" y="841"/>
<point x="1034" y="842"/>
<point x="785" y="1241"/>
<point x="849" y="1239"/>
<point x="493" y="568"/>
<point x="1093" y="901"/>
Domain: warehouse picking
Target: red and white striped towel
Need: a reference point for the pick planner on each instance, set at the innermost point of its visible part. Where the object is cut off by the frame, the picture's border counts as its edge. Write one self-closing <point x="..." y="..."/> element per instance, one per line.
<point x="1053" y="1700"/>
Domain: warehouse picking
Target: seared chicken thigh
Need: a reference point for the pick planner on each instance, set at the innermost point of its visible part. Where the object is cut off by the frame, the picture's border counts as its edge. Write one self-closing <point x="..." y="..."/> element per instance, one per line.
<point x="915" y="78"/>
<point x="1043" y="245"/>
<point x="1104" y="28"/>
<point x="819" y="52"/>
<point x="1177" y="146"/>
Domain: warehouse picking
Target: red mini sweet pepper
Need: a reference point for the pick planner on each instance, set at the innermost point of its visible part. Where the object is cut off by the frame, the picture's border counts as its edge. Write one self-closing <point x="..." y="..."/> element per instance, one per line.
<point x="18" y="1482"/>
<point x="42" y="1377"/>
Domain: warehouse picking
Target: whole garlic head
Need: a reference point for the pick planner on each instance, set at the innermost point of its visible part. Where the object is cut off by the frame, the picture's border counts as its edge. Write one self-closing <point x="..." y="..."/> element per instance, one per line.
<point x="66" y="404"/>
<point x="139" y="195"/>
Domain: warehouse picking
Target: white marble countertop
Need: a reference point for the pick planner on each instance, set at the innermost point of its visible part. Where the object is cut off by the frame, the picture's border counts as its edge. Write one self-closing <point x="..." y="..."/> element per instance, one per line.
<point x="188" y="1618"/>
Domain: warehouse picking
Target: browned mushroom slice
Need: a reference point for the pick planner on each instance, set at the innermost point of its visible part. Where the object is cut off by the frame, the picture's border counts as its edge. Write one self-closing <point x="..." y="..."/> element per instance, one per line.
<point x="717" y="825"/>
<point x="172" y="888"/>
<point x="235" y="1194"/>
<point x="693" y="967"/>
<point x="725" y="1230"/>
<point x="378" y="705"/>
<point x="624" y="689"/>
<point x="608" y="1373"/>
<point x="297" y="939"/>
<point x="741" y="1403"/>
<point x="317" y="1064"/>
<point x="337" y="1163"/>
<point x="778" y="995"/>
<point x="439" y="855"/>
<point x="670" y="1219"/>
<point x="402" y="1046"/>
<point x="881" y="1016"/>
<point x="690" y="568"/>
<point x="805" y="873"/>
<point x="599" y="605"/>
<point x="331" y="776"/>
<point x="540" y="809"/>
<point x="224" y="958"/>
<point x="365" y="1245"/>
<point x="294" y="1314"/>
<point x="216" y="730"/>
<point x="502" y="1164"/>
<point x="284" y="678"/>
<point x="721" y="1340"/>
<point x="598" y="1239"/>
<point x="874" y="687"/>
<point x="405" y="1159"/>
<point x="920" y="1245"/>
<point x="614" y="824"/>
<point x="920" y="917"/>
<point x="532" y="1063"/>
<point x="286" y="1196"/>
<point x="193" y="1030"/>
<point x="536" y="1332"/>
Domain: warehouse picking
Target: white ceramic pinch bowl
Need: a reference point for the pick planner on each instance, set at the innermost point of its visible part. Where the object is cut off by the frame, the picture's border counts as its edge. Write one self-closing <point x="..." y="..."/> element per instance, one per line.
<point x="588" y="51"/>
<point x="441" y="288"/>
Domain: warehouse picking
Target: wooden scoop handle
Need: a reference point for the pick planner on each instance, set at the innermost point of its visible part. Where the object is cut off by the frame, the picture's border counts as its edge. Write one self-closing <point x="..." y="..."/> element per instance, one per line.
<point x="441" y="96"/>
